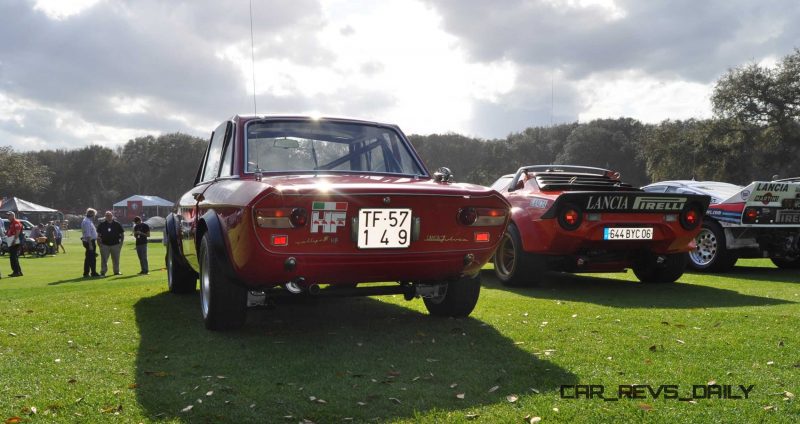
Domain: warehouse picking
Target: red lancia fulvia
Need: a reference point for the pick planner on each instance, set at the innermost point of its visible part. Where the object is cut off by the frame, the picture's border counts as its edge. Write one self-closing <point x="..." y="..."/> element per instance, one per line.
<point x="582" y="219"/>
<point x="301" y="206"/>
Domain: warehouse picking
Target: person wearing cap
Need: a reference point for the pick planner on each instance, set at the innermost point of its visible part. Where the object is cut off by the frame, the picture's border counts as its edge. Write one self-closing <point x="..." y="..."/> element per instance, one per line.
<point x="141" y="232"/>
<point x="109" y="235"/>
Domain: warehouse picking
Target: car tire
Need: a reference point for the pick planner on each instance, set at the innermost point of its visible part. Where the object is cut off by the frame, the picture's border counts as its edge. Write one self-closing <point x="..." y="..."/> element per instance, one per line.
<point x="786" y="263"/>
<point x="513" y="266"/>
<point x="180" y="278"/>
<point x="711" y="254"/>
<point x="40" y="250"/>
<point x="458" y="300"/>
<point x="222" y="302"/>
<point x="648" y="270"/>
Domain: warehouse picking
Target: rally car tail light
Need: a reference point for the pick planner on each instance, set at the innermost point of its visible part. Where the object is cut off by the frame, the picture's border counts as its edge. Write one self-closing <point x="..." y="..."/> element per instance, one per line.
<point x="750" y="215"/>
<point x="690" y="219"/>
<point x="481" y="217"/>
<point x="570" y="217"/>
<point x="281" y="217"/>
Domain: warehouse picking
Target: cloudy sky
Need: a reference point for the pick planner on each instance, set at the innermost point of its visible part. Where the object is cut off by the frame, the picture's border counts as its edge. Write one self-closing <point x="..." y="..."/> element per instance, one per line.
<point x="80" y="72"/>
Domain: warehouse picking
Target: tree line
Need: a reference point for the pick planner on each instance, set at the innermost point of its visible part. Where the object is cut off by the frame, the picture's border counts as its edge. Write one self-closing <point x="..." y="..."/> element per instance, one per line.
<point x="754" y="135"/>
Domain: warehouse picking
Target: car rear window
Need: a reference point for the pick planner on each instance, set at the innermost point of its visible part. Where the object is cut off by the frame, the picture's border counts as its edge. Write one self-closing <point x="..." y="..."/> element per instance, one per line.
<point x="313" y="146"/>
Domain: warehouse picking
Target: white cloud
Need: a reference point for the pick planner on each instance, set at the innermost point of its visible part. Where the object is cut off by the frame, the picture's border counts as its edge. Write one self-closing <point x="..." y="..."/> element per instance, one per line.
<point x="63" y="9"/>
<point x="643" y="97"/>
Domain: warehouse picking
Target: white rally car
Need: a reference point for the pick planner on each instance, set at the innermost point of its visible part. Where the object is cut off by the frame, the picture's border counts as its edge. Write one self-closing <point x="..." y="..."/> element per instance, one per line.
<point x="760" y="220"/>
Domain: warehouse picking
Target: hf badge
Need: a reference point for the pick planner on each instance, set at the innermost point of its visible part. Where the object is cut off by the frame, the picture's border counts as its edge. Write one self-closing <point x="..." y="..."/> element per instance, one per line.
<point x="326" y="217"/>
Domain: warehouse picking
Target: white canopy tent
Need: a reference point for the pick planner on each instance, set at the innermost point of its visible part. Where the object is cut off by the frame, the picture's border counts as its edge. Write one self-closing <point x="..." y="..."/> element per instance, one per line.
<point x="141" y="205"/>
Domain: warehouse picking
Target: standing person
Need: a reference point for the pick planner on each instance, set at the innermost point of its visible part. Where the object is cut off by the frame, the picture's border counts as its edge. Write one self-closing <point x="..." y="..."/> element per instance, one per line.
<point x="59" y="238"/>
<point x="14" y="235"/>
<point x="3" y="235"/>
<point x="141" y="232"/>
<point x="50" y="232"/>
<point x="110" y="235"/>
<point x="89" y="238"/>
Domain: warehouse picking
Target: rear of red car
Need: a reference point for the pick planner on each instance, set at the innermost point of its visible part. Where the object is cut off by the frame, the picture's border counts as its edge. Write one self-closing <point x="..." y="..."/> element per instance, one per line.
<point x="581" y="219"/>
<point x="345" y="230"/>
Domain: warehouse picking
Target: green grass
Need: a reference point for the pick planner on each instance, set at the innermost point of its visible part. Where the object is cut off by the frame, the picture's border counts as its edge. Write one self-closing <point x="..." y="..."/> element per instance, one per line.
<point x="122" y="349"/>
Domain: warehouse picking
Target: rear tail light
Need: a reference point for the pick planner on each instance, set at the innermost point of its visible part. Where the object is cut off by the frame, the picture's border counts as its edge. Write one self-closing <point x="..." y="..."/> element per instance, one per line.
<point x="482" y="237"/>
<point x="482" y="217"/>
<point x="690" y="218"/>
<point x="280" y="240"/>
<point x="281" y="217"/>
<point x="570" y="217"/>
<point x="750" y="215"/>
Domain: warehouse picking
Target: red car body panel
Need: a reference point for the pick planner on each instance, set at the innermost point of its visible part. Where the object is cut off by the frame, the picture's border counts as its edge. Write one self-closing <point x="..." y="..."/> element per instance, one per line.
<point x="324" y="249"/>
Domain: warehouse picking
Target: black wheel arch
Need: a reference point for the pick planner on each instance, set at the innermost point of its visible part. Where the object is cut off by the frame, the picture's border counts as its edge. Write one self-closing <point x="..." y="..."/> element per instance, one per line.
<point x="209" y="224"/>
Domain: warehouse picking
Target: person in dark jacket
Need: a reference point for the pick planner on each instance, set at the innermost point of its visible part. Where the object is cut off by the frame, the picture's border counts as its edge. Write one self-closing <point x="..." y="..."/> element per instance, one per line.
<point x="141" y="232"/>
<point x="14" y="237"/>
<point x="109" y="236"/>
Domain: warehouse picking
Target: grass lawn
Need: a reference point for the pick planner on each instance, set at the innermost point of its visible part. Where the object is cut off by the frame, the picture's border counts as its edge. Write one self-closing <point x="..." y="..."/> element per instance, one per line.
<point x="122" y="349"/>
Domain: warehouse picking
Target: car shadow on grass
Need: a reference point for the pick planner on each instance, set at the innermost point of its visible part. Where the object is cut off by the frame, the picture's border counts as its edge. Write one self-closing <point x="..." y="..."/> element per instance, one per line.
<point x="759" y="273"/>
<point x="325" y="361"/>
<point x="631" y="294"/>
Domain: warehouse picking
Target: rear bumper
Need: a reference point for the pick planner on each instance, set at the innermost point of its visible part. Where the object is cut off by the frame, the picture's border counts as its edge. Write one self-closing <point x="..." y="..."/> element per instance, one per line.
<point x="272" y="269"/>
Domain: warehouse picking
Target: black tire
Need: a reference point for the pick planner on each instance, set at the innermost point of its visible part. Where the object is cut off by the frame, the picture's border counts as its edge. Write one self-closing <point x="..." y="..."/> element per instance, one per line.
<point x="513" y="266"/>
<point x="40" y="250"/>
<point x="180" y="278"/>
<point x="459" y="299"/>
<point x="222" y="302"/>
<point x="648" y="270"/>
<point x="786" y="263"/>
<point x="711" y="254"/>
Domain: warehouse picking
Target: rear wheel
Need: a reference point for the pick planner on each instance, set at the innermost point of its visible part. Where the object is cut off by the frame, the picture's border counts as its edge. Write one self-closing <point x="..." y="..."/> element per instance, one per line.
<point x="40" y="249"/>
<point x="652" y="268"/>
<point x="787" y="263"/>
<point x="458" y="300"/>
<point x="512" y="265"/>
<point x="711" y="253"/>
<point x="180" y="278"/>
<point x="222" y="302"/>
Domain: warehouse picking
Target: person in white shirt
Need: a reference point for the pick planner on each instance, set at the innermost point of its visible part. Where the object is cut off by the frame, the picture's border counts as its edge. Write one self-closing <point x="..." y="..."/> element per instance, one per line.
<point x="89" y="239"/>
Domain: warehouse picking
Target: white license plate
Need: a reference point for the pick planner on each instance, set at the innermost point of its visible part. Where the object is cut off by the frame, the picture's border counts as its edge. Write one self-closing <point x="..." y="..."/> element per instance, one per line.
<point x="627" y="233"/>
<point x="384" y="228"/>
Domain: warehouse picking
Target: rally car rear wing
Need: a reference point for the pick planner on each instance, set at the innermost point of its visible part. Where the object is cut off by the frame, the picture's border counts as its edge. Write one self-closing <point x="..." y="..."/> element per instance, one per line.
<point x="628" y="202"/>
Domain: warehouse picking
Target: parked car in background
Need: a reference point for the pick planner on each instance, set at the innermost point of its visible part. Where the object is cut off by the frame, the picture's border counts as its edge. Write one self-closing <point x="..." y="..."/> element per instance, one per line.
<point x="582" y="219"/>
<point x="288" y="206"/>
<point x="760" y="220"/>
<point x="27" y="227"/>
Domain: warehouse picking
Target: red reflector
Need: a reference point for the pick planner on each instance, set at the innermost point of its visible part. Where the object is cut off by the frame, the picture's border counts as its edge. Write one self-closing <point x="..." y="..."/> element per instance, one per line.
<point x="752" y="214"/>
<point x="482" y="237"/>
<point x="571" y="217"/>
<point x="280" y="240"/>
<point x="691" y="217"/>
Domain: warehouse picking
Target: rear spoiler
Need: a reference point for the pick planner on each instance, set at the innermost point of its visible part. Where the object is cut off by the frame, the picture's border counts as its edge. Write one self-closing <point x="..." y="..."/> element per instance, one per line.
<point x="762" y="204"/>
<point x="628" y="202"/>
<point x="767" y="194"/>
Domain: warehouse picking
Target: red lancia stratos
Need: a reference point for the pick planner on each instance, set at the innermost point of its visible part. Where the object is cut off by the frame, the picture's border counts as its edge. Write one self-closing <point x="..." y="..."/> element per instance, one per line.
<point x="582" y="219"/>
<point x="287" y="206"/>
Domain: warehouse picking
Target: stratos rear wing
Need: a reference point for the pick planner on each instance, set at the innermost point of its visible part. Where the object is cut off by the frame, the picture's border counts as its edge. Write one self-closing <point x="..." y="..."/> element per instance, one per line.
<point x="628" y="202"/>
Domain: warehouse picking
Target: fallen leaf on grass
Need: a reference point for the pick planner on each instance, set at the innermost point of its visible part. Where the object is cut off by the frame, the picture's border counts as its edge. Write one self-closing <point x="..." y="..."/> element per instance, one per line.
<point x="461" y="395"/>
<point x="471" y="416"/>
<point x="645" y="407"/>
<point x="133" y="386"/>
<point x="187" y="409"/>
<point x="454" y="385"/>
<point x="711" y="383"/>
<point x="770" y="362"/>
<point x="361" y="403"/>
<point x="156" y="373"/>
<point x="788" y="395"/>
<point x="769" y="408"/>
<point x="512" y="398"/>
<point x="494" y="389"/>
<point x="680" y="341"/>
<point x="532" y="420"/>
<point x="12" y="334"/>
<point x="395" y="400"/>
<point x="209" y="393"/>
<point x="72" y="381"/>
<point x="13" y="420"/>
<point x="111" y="409"/>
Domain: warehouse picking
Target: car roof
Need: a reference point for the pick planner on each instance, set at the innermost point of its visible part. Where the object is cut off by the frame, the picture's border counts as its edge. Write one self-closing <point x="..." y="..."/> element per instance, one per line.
<point x="712" y="188"/>
<point x="314" y="117"/>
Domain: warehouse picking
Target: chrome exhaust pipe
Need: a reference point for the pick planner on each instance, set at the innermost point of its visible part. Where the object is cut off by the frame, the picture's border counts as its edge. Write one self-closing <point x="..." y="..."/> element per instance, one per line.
<point x="293" y="287"/>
